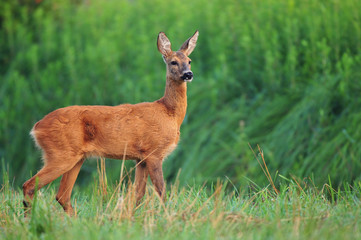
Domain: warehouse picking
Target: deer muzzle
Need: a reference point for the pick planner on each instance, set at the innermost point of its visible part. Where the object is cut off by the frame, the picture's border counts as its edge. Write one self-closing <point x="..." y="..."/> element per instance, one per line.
<point x="187" y="76"/>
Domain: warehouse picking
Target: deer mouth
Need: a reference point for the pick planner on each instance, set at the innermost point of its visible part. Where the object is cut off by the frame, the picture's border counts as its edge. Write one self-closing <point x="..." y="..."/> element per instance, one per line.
<point x="187" y="80"/>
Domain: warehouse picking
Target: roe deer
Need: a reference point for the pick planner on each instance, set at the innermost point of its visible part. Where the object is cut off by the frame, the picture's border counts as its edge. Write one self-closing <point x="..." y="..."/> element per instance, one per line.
<point x="146" y="132"/>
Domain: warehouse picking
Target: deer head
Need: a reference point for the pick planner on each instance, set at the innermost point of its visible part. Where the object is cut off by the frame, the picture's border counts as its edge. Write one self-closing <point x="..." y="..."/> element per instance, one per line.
<point x="178" y="63"/>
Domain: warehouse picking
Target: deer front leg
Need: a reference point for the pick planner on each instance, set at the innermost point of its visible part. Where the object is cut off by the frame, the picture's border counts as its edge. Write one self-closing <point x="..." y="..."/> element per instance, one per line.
<point x="156" y="175"/>
<point x="141" y="176"/>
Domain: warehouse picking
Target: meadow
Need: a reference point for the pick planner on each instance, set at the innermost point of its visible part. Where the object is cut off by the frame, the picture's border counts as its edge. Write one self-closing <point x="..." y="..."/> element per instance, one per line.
<point x="281" y="74"/>
<point x="296" y="210"/>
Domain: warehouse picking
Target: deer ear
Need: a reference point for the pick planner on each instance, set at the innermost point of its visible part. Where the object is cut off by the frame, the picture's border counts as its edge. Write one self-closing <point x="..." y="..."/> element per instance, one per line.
<point x="189" y="45"/>
<point x="163" y="44"/>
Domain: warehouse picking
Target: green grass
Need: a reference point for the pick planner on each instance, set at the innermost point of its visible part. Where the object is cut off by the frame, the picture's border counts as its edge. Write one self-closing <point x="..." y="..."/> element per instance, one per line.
<point x="298" y="211"/>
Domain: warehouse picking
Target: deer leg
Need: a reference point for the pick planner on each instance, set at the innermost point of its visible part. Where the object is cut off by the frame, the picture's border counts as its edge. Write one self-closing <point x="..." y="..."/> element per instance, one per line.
<point x="156" y="175"/>
<point x="47" y="174"/>
<point x="66" y="187"/>
<point x="141" y="176"/>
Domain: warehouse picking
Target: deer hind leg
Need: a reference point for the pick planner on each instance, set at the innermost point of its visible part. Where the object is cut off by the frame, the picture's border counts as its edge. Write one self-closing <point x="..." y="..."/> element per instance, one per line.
<point x="156" y="175"/>
<point x="141" y="176"/>
<point x="66" y="187"/>
<point x="51" y="171"/>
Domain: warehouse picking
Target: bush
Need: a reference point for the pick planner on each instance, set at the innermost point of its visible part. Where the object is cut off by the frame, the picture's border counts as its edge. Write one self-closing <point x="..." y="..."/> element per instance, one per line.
<point x="281" y="74"/>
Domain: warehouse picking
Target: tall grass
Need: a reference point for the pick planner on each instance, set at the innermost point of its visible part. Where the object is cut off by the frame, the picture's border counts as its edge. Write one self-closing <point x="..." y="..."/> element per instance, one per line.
<point x="282" y="74"/>
<point x="298" y="210"/>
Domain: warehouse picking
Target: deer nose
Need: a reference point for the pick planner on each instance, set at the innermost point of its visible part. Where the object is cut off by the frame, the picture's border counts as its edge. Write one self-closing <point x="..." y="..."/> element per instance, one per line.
<point x="187" y="76"/>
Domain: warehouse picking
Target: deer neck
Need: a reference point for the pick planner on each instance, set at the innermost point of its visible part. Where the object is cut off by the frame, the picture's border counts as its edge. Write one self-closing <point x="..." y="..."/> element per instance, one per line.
<point x="175" y="99"/>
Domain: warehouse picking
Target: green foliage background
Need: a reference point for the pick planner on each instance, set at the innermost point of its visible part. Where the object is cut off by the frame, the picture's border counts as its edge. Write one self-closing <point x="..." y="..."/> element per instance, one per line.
<point x="281" y="74"/>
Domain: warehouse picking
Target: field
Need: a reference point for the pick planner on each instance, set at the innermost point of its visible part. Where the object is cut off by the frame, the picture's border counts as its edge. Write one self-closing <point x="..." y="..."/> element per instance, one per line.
<point x="281" y="74"/>
<point x="297" y="210"/>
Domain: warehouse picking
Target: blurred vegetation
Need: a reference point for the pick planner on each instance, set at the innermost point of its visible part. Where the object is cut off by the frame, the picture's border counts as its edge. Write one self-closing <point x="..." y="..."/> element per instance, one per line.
<point x="281" y="74"/>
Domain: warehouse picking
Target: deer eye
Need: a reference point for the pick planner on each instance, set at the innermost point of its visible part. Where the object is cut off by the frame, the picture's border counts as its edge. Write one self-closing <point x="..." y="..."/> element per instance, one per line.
<point x="174" y="63"/>
<point x="189" y="62"/>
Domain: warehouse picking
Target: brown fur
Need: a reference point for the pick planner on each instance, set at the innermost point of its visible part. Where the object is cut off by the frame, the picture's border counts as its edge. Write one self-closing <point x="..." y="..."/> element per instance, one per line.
<point x="146" y="132"/>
